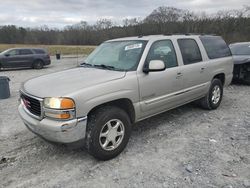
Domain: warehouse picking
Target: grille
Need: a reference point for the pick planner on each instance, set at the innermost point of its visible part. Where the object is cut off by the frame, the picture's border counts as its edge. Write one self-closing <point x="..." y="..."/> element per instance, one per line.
<point x="31" y="104"/>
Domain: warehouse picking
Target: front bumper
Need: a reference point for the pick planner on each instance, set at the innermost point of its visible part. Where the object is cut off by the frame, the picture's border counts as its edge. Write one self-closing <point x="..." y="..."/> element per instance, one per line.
<point x="56" y="131"/>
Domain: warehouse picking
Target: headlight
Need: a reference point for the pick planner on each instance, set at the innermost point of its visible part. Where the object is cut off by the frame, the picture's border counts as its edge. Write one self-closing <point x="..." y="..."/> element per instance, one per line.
<point x="59" y="108"/>
<point x="59" y="103"/>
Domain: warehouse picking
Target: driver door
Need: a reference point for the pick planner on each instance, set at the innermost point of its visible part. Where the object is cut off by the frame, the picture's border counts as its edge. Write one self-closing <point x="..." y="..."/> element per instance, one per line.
<point x="158" y="90"/>
<point x="10" y="59"/>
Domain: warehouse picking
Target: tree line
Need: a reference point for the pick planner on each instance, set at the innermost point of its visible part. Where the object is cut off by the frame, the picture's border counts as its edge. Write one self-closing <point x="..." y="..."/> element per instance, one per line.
<point x="232" y="25"/>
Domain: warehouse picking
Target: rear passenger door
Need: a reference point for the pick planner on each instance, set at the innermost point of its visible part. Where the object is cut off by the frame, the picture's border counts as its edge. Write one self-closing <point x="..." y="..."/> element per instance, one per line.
<point x="193" y="71"/>
<point x="219" y="57"/>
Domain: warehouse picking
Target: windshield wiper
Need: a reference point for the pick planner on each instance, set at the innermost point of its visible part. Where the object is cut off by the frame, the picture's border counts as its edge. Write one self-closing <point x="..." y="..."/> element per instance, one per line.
<point x="102" y="66"/>
<point x="84" y="64"/>
<point x="105" y="67"/>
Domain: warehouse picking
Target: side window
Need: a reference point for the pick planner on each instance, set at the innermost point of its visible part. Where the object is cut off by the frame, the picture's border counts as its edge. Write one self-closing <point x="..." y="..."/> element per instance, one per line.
<point x="13" y="52"/>
<point x="190" y="51"/>
<point x="163" y="50"/>
<point x="215" y="47"/>
<point x="39" y="51"/>
<point x="25" y="52"/>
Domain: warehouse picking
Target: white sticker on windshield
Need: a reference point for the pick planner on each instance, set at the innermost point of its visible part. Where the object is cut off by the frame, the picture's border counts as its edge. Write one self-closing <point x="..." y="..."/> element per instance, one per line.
<point x="133" y="46"/>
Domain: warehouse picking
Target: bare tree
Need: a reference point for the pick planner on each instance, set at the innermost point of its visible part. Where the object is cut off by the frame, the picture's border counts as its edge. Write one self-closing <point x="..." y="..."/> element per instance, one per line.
<point x="131" y="22"/>
<point x="233" y="25"/>
<point x="164" y="15"/>
<point x="103" y="24"/>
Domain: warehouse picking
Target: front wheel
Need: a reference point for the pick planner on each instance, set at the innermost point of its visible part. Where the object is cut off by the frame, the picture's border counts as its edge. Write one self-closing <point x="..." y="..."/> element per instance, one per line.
<point x="214" y="96"/>
<point x="108" y="132"/>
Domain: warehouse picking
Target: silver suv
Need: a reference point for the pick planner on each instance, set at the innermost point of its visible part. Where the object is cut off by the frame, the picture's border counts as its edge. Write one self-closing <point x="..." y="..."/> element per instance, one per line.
<point x="122" y="82"/>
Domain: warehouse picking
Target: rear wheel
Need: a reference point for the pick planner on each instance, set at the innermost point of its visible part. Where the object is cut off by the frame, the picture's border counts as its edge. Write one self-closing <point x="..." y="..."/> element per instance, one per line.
<point x="108" y="132"/>
<point x="214" y="96"/>
<point x="38" y="64"/>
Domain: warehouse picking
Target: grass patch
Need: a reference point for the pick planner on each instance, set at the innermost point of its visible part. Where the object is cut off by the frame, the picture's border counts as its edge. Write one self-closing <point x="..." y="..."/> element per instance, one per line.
<point x="52" y="49"/>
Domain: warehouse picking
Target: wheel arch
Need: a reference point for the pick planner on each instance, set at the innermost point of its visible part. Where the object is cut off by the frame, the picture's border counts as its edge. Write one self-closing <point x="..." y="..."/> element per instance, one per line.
<point x="123" y="103"/>
<point x="38" y="59"/>
<point x="221" y="77"/>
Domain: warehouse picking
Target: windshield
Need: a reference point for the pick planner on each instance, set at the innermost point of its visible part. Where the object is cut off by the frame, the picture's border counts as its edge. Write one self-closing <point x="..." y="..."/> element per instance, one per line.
<point x="5" y="51"/>
<point x="117" y="55"/>
<point x="240" y="49"/>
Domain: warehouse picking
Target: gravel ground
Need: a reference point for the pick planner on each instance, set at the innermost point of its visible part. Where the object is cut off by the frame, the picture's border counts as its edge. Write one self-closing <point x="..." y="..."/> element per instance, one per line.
<point x="185" y="147"/>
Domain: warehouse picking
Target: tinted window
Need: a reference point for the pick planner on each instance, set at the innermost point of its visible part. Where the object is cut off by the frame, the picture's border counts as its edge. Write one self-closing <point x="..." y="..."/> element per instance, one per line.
<point x="190" y="51"/>
<point x="215" y="47"/>
<point x="39" y="51"/>
<point x="163" y="50"/>
<point x="25" y="52"/>
<point x="12" y="52"/>
<point x="240" y="49"/>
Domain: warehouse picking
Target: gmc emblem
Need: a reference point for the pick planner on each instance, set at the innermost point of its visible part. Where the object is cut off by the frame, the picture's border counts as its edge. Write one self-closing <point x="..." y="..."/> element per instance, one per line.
<point x="26" y="103"/>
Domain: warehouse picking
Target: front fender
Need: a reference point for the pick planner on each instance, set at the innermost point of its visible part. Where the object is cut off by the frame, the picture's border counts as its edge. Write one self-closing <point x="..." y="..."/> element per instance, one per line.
<point x="99" y="100"/>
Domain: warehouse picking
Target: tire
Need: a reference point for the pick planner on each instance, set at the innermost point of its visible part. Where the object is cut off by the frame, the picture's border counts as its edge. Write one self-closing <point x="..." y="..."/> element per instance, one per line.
<point x="102" y="122"/>
<point x="247" y="82"/>
<point x="38" y="64"/>
<point x="214" y="96"/>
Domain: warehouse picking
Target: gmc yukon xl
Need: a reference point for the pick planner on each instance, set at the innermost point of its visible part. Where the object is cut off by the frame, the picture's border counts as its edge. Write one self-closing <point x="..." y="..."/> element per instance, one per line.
<point x="124" y="81"/>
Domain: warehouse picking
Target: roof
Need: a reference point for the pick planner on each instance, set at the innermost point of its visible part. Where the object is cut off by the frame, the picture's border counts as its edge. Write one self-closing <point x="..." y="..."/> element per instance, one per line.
<point x="28" y="48"/>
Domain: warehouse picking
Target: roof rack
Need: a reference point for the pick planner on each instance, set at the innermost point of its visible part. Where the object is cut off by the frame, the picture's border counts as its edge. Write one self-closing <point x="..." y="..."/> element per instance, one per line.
<point x="169" y="34"/>
<point x="188" y="34"/>
<point x="140" y="36"/>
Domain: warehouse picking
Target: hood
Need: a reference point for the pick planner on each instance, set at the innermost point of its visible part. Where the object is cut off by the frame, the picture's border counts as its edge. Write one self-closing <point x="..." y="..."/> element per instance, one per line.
<point x="66" y="82"/>
<point x="240" y="59"/>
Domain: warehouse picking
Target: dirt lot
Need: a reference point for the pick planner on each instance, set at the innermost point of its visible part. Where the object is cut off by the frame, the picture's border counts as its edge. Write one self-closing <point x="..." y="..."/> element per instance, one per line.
<point x="185" y="147"/>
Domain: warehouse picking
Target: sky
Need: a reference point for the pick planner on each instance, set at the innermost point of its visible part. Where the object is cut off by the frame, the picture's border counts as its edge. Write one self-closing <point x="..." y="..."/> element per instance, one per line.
<point x="59" y="13"/>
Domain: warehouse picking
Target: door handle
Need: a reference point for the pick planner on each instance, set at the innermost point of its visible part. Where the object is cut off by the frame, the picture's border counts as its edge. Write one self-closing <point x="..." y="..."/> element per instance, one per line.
<point x="202" y="69"/>
<point x="179" y="74"/>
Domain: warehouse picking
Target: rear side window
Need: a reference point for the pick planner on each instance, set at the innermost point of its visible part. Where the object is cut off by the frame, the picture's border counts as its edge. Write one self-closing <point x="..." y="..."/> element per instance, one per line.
<point x="215" y="47"/>
<point x="25" y="52"/>
<point x="190" y="51"/>
<point x="39" y="51"/>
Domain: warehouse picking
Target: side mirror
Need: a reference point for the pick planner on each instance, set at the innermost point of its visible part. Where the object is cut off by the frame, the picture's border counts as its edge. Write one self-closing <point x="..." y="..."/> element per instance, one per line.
<point x="7" y="55"/>
<point x="154" y="66"/>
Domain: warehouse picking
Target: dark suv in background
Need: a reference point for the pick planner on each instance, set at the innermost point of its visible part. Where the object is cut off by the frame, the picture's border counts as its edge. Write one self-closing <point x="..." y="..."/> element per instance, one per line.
<point x="35" y="58"/>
